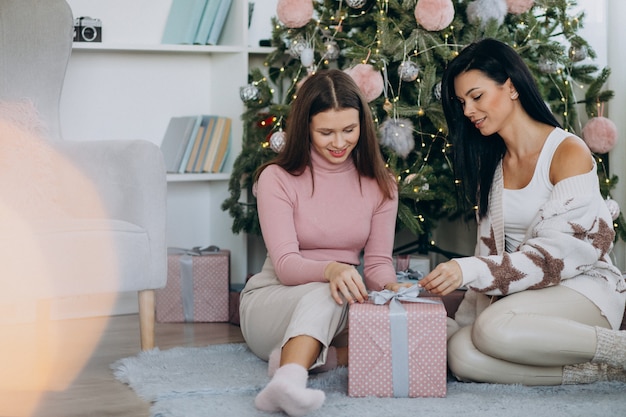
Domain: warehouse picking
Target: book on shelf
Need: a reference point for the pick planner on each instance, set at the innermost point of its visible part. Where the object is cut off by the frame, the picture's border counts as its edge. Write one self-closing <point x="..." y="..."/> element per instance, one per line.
<point x="219" y="158"/>
<point x="205" y="143"/>
<point x="196" y="144"/>
<point x="196" y="21"/>
<point x="195" y="148"/>
<point x="182" y="21"/>
<point x="218" y="23"/>
<point x="208" y="17"/>
<point x="176" y="140"/>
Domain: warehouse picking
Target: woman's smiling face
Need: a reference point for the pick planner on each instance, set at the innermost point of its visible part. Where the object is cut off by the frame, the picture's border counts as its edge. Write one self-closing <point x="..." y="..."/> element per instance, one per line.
<point x="335" y="133"/>
<point x="485" y="103"/>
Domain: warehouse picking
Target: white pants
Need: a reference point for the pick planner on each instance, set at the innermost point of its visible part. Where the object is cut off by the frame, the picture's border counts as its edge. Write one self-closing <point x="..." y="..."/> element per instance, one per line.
<point x="527" y="338"/>
<point x="272" y="313"/>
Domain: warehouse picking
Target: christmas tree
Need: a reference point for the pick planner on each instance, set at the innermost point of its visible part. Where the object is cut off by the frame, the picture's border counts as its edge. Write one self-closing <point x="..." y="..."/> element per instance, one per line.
<point x="396" y="50"/>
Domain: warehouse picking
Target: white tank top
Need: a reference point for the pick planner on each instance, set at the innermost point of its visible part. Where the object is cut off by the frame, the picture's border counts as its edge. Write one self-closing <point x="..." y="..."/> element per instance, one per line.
<point x="521" y="206"/>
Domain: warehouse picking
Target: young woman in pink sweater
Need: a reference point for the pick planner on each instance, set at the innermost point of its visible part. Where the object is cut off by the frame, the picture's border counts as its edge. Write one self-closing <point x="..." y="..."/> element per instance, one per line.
<point x="544" y="301"/>
<point x="323" y="201"/>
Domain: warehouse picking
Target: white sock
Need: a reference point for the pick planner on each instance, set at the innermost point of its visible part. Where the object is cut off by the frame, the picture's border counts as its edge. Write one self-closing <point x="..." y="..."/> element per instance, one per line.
<point x="287" y="392"/>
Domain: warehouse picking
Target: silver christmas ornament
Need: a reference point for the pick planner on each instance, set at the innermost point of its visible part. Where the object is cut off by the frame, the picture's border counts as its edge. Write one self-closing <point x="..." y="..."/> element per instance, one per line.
<point x="437" y="90"/>
<point x="356" y="4"/>
<point x="578" y="53"/>
<point x="331" y="50"/>
<point x="296" y="46"/>
<point x="277" y="141"/>
<point x="408" y="71"/>
<point x="613" y="207"/>
<point x="249" y="93"/>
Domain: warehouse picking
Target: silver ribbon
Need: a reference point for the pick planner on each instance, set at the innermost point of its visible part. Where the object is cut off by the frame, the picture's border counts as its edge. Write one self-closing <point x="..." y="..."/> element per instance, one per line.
<point x="186" y="275"/>
<point x="398" y="324"/>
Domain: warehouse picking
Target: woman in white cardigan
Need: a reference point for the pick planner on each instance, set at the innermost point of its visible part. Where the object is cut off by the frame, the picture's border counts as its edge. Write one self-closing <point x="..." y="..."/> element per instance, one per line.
<point x="544" y="301"/>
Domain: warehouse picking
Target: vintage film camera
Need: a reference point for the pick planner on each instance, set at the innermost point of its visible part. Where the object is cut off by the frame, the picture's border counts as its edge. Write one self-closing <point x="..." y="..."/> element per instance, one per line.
<point x="87" y="29"/>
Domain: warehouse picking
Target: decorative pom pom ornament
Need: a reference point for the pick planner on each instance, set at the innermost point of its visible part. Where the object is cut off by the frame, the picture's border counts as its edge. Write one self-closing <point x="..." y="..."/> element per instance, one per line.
<point x="356" y="4"/>
<point x="277" y="141"/>
<point x="519" y="6"/>
<point x="369" y="80"/>
<point x="547" y="66"/>
<point x="249" y="93"/>
<point x="397" y="134"/>
<point x="434" y="15"/>
<point x="485" y="10"/>
<point x="408" y="71"/>
<point x="307" y="56"/>
<point x="600" y="134"/>
<point x="294" y="13"/>
<point x="613" y="207"/>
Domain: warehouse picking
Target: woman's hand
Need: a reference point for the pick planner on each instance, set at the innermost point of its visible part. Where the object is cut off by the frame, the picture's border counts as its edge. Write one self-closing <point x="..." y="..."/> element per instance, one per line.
<point x="345" y="282"/>
<point x="444" y="279"/>
<point x="395" y="286"/>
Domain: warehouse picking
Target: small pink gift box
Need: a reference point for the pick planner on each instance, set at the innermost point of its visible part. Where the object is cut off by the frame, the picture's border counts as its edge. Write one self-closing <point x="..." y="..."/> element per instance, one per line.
<point x="420" y="366"/>
<point x="197" y="288"/>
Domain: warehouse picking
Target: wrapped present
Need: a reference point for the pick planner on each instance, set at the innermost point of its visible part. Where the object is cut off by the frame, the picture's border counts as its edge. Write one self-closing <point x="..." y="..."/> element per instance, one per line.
<point x="197" y="288"/>
<point x="411" y="267"/>
<point x="397" y="349"/>
<point x="233" y="306"/>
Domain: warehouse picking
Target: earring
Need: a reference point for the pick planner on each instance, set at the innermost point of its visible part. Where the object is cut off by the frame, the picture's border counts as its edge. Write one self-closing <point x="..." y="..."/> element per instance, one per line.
<point x="514" y="95"/>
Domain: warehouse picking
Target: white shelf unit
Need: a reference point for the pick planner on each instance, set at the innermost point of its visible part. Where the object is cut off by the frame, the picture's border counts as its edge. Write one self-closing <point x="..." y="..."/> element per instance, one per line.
<point x="130" y="85"/>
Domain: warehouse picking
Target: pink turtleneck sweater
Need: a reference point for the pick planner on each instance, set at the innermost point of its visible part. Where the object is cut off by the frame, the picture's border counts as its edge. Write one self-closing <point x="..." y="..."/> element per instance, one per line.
<point x="304" y="230"/>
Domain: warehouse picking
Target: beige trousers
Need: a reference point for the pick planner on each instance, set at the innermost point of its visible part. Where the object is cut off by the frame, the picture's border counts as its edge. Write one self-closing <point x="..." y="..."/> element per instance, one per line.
<point x="271" y="314"/>
<point x="527" y="338"/>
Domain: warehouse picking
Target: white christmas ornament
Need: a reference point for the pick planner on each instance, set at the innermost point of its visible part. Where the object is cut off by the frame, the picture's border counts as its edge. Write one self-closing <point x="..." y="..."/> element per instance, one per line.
<point x="277" y="141"/>
<point x="397" y="134"/>
<point x="482" y="11"/>
<point x="307" y="57"/>
<point x="613" y="207"/>
<point x="408" y="71"/>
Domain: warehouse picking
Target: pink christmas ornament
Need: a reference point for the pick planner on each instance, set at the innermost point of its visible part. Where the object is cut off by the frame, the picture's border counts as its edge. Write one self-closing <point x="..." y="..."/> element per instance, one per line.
<point x="434" y="15"/>
<point x="294" y="13"/>
<point x="600" y="134"/>
<point x="519" y="6"/>
<point x="369" y="80"/>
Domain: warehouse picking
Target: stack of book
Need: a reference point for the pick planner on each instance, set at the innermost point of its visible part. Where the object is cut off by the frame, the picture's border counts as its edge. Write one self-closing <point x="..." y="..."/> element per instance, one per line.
<point x="195" y="22"/>
<point x="195" y="144"/>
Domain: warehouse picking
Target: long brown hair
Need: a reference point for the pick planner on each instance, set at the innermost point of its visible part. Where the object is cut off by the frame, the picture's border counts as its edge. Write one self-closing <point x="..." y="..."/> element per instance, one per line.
<point x="325" y="90"/>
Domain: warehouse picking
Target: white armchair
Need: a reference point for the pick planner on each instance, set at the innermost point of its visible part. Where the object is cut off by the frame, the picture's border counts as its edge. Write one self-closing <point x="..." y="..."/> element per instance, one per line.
<point x="76" y="218"/>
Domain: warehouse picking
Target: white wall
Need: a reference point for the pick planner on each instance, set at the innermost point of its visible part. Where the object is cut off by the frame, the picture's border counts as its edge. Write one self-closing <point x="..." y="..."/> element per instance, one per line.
<point x="616" y="33"/>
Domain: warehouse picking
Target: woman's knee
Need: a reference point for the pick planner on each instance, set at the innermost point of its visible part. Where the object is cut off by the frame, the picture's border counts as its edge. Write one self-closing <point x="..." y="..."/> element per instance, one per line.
<point x="492" y="331"/>
<point x="463" y="358"/>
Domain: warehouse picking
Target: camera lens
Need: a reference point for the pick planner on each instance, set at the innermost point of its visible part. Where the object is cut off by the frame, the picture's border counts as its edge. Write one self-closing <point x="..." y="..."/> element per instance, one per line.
<point x="89" y="33"/>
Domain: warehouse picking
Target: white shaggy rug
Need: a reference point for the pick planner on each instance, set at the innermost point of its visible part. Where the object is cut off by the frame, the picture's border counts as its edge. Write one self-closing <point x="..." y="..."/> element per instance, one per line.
<point x="222" y="381"/>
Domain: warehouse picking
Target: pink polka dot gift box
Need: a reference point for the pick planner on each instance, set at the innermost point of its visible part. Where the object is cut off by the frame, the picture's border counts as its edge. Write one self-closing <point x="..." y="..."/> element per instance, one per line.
<point x="397" y="348"/>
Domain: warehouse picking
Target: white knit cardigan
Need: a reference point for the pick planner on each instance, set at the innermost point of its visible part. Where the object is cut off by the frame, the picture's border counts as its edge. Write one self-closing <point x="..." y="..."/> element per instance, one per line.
<point x="568" y="243"/>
